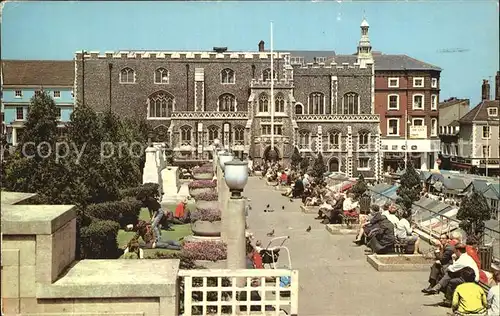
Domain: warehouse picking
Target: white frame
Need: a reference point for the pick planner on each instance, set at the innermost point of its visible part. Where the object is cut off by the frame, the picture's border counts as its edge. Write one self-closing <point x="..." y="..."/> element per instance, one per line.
<point x="346" y="104"/>
<point x="59" y="112"/>
<point x="261" y="95"/>
<point x="154" y="77"/>
<point x="24" y="115"/>
<point x="321" y="96"/>
<point x="368" y="141"/>
<point x="492" y="113"/>
<point x="54" y="94"/>
<point x="434" y="128"/>
<point x="149" y="117"/>
<point x="434" y="102"/>
<point x="413" y="101"/>
<point x="417" y="119"/>
<point x="434" y="82"/>
<point x="307" y="135"/>
<point x="389" y="101"/>
<point x="484" y="129"/>
<point x="20" y="94"/>
<point x="295" y="108"/>
<point x="229" y="94"/>
<point x="398" y="125"/>
<point x="184" y="127"/>
<point x="367" y="168"/>
<point x="276" y="107"/>
<point x="389" y="82"/>
<point x="233" y="76"/>
<point x="418" y="78"/>
<point x="133" y="72"/>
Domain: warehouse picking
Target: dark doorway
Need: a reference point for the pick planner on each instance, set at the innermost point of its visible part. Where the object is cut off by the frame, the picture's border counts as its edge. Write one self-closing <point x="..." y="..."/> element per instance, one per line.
<point x="333" y="165"/>
<point x="268" y="157"/>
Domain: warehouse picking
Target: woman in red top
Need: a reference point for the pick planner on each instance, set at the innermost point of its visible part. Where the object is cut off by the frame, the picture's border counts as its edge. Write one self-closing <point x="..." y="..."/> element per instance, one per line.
<point x="254" y="259"/>
<point x="471" y="249"/>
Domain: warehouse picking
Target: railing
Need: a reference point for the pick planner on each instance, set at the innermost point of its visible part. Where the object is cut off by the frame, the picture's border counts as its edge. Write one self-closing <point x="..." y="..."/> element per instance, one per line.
<point x="238" y="292"/>
<point x="209" y="115"/>
<point x="374" y="118"/>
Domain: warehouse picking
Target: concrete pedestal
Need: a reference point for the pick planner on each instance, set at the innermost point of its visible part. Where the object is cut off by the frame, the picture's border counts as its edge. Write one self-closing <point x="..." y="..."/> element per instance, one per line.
<point x="150" y="173"/>
<point x="235" y="234"/>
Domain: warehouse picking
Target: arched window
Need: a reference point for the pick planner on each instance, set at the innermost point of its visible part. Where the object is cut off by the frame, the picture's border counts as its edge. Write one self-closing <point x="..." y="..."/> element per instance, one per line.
<point x="266" y="74"/>
<point x="351" y="103"/>
<point x="263" y="103"/>
<point x="213" y="133"/>
<point x="304" y="139"/>
<point x="363" y="140"/>
<point x="185" y="135"/>
<point x="239" y="135"/>
<point x="227" y="76"/>
<point x="316" y="103"/>
<point x="279" y="103"/>
<point x="127" y="75"/>
<point x="227" y="103"/>
<point x="299" y="108"/>
<point x="161" y="76"/>
<point x="334" y="140"/>
<point x="161" y="105"/>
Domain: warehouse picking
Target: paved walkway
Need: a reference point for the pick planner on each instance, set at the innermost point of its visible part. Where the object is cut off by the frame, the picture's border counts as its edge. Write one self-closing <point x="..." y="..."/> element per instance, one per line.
<point x="335" y="278"/>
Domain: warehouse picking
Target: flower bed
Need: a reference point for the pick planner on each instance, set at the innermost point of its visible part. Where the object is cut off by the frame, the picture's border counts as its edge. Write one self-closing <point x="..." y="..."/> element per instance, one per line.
<point x="203" y="173"/>
<point x="204" y="250"/>
<point x="199" y="187"/>
<point x="208" y="215"/>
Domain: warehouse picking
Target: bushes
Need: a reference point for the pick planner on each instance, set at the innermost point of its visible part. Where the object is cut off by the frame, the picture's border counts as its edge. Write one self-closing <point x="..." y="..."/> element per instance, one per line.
<point x="205" y="250"/>
<point x="98" y="240"/>
<point x="208" y="196"/>
<point x="209" y="215"/>
<point x="199" y="184"/>
<point x="145" y="190"/>
<point x="123" y="212"/>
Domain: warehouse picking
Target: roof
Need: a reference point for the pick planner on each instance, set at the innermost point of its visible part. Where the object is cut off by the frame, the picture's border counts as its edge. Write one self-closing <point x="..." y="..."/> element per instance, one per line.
<point x="38" y="72"/>
<point x="452" y="101"/>
<point x="480" y="111"/>
<point x="309" y="55"/>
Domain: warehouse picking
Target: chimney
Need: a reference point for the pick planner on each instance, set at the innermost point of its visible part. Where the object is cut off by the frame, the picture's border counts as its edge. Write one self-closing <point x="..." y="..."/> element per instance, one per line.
<point x="497" y="86"/>
<point x="485" y="90"/>
<point x="261" y="46"/>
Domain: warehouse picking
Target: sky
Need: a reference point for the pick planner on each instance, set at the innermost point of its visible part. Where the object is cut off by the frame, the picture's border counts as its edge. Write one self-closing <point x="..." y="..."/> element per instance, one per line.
<point x="461" y="37"/>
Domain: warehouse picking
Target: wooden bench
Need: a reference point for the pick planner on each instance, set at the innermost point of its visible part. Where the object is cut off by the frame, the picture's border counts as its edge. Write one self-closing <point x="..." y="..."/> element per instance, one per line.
<point x="401" y="247"/>
<point x="350" y="221"/>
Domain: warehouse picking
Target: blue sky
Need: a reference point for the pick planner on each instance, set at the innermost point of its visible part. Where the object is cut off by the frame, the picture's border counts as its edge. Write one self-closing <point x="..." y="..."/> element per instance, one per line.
<point x="421" y="29"/>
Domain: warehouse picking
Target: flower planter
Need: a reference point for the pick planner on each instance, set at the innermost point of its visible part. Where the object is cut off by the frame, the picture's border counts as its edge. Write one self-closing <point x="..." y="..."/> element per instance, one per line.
<point x="206" y="229"/>
<point x="201" y="204"/>
<point x="195" y="192"/>
<point x="203" y="176"/>
<point x="399" y="262"/>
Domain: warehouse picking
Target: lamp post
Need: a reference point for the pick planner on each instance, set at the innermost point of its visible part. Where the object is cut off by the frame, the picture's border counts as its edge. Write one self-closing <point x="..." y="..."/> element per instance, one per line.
<point x="224" y="157"/>
<point x="236" y="177"/>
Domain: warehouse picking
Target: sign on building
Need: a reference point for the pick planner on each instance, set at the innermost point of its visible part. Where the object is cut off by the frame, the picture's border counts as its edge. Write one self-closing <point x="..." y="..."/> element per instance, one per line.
<point x="418" y="131"/>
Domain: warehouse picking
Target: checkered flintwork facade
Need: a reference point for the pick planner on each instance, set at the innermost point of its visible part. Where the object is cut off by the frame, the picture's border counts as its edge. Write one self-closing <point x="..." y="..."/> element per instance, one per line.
<point x="192" y="98"/>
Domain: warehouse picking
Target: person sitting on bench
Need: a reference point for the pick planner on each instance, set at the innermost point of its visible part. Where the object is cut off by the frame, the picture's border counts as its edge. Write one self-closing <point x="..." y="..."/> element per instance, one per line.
<point x="404" y="232"/>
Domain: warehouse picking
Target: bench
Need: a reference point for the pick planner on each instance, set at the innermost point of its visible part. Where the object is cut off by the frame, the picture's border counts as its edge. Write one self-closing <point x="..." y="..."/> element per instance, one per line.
<point x="404" y="247"/>
<point x="350" y="221"/>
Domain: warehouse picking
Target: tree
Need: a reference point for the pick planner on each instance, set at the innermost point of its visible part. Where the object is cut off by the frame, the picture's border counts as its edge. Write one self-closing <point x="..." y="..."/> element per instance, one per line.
<point x="409" y="189"/>
<point x="474" y="210"/>
<point x="360" y="187"/>
<point x="304" y="164"/>
<point x="296" y="159"/>
<point x="319" y="167"/>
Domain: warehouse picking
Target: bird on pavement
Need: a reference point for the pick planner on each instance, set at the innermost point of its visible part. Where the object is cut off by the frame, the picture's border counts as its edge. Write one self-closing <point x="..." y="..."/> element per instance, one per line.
<point x="283" y="207"/>
<point x="308" y="228"/>
<point x="267" y="206"/>
<point x="271" y="233"/>
<point x="291" y="200"/>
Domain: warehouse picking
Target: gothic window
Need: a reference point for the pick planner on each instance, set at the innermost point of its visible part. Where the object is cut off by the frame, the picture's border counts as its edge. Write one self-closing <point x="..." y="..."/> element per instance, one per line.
<point x="304" y="137"/>
<point x="263" y="103"/>
<point x="160" y="105"/>
<point x="266" y="74"/>
<point x="213" y="133"/>
<point x="239" y="135"/>
<point x="185" y="135"/>
<point x="161" y="76"/>
<point x="316" y="103"/>
<point x="334" y="140"/>
<point x="351" y="103"/>
<point x="363" y="140"/>
<point x="227" y="76"/>
<point x="127" y="75"/>
<point x="279" y="103"/>
<point x="299" y="109"/>
<point x="227" y="103"/>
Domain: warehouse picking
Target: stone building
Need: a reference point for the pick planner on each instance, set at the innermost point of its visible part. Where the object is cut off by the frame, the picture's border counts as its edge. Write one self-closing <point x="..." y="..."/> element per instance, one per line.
<point x="193" y="98"/>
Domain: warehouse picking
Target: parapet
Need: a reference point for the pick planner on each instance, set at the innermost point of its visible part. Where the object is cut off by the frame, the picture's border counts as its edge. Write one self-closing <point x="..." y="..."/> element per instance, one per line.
<point x="331" y="65"/>
<point x="278" y="83"/>
<point x="179" y="55"/>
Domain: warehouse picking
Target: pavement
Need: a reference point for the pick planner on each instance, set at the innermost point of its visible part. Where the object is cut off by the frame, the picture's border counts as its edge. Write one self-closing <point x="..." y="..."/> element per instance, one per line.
<point x="335" y="278"/>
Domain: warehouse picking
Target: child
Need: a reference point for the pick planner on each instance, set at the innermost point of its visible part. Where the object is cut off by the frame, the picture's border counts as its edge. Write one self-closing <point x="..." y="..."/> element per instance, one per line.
<point x="469" y="298"/>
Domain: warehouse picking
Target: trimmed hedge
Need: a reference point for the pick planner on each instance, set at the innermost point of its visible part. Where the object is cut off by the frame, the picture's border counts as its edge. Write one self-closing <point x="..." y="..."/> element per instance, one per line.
<point x="98" y="240"/>
<point x="123" y="212"/>
<point x="147" y="189"/>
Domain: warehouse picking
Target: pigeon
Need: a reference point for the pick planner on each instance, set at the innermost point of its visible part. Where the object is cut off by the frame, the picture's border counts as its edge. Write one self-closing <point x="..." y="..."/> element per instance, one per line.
<point x="283" y="207"/>
<point x="308" y="229"/>
<point x="265" y="211"/>
<point x="270" y="211"/>
<point x="271" y="233"/>
<point x="291" y="200"/>
<point x="267" y="206"/>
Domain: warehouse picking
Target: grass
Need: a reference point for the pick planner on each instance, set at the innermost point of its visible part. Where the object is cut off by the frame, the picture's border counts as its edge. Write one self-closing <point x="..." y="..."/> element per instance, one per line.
<point x="179" y="231"/>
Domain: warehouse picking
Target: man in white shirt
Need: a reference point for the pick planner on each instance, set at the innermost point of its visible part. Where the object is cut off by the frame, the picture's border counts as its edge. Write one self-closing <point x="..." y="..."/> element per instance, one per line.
<point x="493" y="297"/>
<point x="452" y="277"/>
<point x="404" y="232"/>
<point x="391" y="215"/>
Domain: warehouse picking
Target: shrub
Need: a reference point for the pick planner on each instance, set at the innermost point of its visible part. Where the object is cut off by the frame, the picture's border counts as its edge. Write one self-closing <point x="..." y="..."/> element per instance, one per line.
<point x="123" y="212"/>
<point x="98" y="240"/>
<point x="145" y="190"/>
<point x="203" y="169"/>
<point x="209" y="215"/>
<point x="199" y="184"/>
<point x="208" y="196"/>
<point x="205" y="250"/>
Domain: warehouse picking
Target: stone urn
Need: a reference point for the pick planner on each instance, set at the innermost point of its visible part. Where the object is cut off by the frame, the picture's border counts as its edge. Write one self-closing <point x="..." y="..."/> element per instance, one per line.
<point x="206" y="228"/>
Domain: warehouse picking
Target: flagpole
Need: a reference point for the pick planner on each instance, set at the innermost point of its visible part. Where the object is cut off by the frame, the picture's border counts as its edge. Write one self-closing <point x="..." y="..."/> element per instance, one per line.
<point x="406" y="138"/>
<point x="272" y="89"/>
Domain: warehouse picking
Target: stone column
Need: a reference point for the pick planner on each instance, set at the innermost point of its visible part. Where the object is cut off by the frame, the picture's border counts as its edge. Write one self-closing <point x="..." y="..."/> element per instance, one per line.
<point x="14" y="136"/>
<point x="235" y="238"/>
<point x="150" y="173"/>
<point x="223" y="197"/>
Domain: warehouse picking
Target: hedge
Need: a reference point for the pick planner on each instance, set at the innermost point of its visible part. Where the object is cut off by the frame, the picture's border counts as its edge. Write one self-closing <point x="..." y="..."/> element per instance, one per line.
<point x="147" y="189"/>
<point x="98" y="240"/>
<point x="123" y="212"/>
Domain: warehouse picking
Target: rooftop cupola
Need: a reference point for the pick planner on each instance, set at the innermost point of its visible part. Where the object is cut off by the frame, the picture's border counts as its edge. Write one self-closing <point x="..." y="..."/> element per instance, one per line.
<point x="364" y="45"/>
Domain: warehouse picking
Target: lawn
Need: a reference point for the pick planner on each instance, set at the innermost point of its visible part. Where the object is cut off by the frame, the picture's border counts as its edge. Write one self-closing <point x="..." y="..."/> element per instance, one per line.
<point x="179" y="232"/>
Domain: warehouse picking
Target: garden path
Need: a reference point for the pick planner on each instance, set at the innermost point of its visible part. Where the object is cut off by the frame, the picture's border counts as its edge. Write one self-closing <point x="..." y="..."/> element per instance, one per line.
<point x="335" y="278"/>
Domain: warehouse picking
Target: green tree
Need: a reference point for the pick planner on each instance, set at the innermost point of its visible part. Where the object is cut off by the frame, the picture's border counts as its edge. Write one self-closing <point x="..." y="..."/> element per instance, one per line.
<point x="296" y="159"/>
<point x="409" y="189"/>
<point x="319" y="167"/>
<point x="474" y="211"/>
<point x="360" y="187"/>
<point x="304" y="164"/>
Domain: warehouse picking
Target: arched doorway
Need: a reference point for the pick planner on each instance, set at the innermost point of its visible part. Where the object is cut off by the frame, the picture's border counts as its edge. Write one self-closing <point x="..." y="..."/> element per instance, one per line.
<point x="266" y="155"/>
<point x="333" y="165"/>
